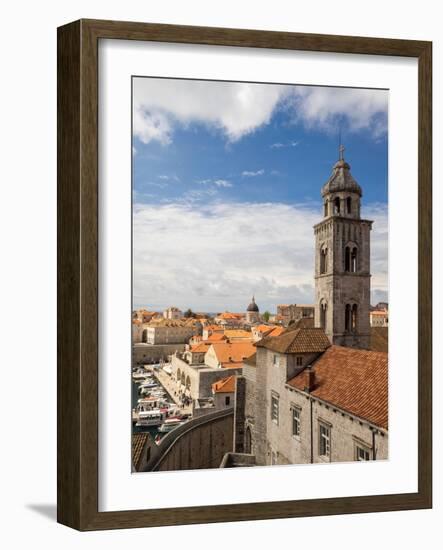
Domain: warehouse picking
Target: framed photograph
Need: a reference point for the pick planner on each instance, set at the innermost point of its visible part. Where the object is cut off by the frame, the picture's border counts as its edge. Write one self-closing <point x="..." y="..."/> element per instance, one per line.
<point x="244" y="275"/>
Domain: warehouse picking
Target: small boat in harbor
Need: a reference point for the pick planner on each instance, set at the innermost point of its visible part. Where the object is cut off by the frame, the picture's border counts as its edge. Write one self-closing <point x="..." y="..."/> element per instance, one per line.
<point x="157" y="393"/>
<point x="139" y="374"/>
<point x="147" y="419"/>
<point x="147" y="387"/>
<point x="170" y="423"/>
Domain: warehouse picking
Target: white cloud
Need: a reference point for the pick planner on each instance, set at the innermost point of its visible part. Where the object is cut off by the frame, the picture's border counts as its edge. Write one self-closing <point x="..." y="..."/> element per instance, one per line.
<point x="153" y="125"/>
<point x="249" y="174"/>
<point x="222" y="183"/>
<point x="215" y="257"/>
<point x="168" y="178"/>
<point x="216" y="182"/>
<point x="238" y="109"/>
<point x="328" y="108"/>
<point x="279" y="145"/>
<point x="379" y="250"/>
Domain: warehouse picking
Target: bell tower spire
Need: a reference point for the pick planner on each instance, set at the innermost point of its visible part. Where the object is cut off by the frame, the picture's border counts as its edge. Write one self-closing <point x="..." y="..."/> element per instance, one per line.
<point x="342" y="261"/>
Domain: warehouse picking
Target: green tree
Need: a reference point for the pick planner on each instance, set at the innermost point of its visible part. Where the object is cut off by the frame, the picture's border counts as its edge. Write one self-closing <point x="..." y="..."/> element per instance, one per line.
<point x="189" y="313"/>
<point x="266" y="316"/>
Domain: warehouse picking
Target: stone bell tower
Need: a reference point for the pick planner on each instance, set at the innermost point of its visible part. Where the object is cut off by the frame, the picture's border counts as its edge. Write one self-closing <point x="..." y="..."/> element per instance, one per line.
<point x="342" y="261"/>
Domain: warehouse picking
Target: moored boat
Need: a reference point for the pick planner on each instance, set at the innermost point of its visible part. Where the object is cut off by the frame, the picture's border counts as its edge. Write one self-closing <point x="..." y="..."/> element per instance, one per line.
<point x="146" y="419"/>
<point x="170" y="423"/>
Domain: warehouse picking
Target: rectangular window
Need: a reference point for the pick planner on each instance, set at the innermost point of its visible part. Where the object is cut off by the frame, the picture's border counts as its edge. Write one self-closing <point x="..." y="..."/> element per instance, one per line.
<point x="274" y="408"/>
<point x="296" y="421"/>
<point x="362" y="453"/>
<point x="227" y="400"/>
<point x="275" y="360"/>
<point x="299" y="361"/>
<point x="324" y="440"/>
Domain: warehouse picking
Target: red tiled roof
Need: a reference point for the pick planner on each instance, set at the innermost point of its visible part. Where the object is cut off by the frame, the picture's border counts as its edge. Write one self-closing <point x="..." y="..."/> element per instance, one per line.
<point x="202" y="347"/>
<point x="214" y="328"/>
<point x="276" y="331"/>
<point x="304" y="322"/>
<point x="301" y="340"/>
<point x="233" y="353"/>
<point x="216" y="337"/>
<point x="238" y="333"/>
<point x="225" y="385"/>
<point x="353" y="380"/>
<point x="138" y="443"/>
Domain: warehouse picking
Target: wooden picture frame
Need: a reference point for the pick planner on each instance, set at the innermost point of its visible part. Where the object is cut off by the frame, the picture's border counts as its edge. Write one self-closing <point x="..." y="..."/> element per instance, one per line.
<point x="78" y="273"/>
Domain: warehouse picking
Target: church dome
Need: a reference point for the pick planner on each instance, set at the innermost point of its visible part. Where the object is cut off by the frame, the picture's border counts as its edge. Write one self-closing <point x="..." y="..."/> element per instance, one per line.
<point x="341" y="179"/>
<point x="253" y="306"/>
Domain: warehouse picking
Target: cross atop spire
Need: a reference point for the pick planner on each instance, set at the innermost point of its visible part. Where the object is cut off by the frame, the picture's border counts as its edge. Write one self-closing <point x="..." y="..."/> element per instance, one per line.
<point x="341" y="150"/>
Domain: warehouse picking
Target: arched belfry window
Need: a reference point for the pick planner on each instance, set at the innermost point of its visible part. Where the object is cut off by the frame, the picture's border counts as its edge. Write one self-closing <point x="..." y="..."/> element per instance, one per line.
<point x="336" y="205"/>
<point x="325" y="209"/>
<point x="351" y="317"/>
<point x="351" y="259"/>
<point x="348" y="205"/>
<point x="354" y="260"/>
<point x="354" y="318"/>
<point x="323" y="315"/>
<point x="323" y="260"/>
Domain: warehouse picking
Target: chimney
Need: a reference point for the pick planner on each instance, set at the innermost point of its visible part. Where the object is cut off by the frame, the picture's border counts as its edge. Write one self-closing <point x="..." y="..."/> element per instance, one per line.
<point x="309" y="374"/>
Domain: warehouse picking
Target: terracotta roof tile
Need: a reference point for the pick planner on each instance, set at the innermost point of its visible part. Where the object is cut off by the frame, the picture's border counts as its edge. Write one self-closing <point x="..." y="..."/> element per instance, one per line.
<point x="276" y="331"/>
<point x="353" y="380"/>
<point x="238" y="333"/>
<point x="214" y="328"/>
<point x="138" y="443"/>
<point x="228" y="353"/>
<point x="202" y="347"/>
<point x="304" y="322"/>
<point x="225" y="385"/>
<point x="302" y="340"/>
<point x="264" y="328"/>
<point x="216" y="337"/>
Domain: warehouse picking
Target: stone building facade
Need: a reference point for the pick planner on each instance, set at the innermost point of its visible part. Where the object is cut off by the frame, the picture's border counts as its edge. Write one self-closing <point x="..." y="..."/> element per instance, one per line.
<point x="294" y="312"/>
<point x="315" y="393"/>
<point x="172" y="313"/>
<point x="195" y="380"/>
<point x="307" y="401"/>
<point x="169" y="332"/>
<point x="379" y="318"/>
<point x="342" y="258"/>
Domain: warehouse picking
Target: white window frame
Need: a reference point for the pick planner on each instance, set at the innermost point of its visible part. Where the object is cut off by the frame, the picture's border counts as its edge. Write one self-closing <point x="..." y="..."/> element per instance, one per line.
<point x="295" y="410"/>
<point x="275" y="398"/>
<point x="326" y="438"/>
<point x="364" y="449"/>
<point x="275" y="360"/>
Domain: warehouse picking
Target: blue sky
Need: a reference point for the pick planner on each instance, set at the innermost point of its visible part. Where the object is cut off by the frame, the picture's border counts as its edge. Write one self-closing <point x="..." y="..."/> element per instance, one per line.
<point x="226" y="188"/>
